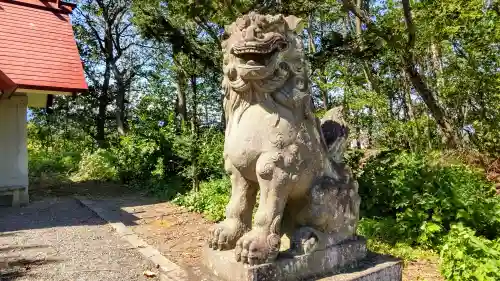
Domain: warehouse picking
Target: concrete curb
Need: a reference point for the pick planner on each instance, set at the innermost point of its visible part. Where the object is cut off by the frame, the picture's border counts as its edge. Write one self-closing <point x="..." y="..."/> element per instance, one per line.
<point x="168" y="270"/>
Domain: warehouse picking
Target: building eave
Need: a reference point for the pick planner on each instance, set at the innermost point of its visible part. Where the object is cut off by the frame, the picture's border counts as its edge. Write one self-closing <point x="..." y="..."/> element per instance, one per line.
<point x="54" y="89"/>
<point x="60" y="6"/>
<point x="7" y="86"/>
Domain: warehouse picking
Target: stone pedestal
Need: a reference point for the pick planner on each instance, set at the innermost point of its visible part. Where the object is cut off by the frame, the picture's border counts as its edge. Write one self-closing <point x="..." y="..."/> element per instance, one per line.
<point x="343" y="262"/>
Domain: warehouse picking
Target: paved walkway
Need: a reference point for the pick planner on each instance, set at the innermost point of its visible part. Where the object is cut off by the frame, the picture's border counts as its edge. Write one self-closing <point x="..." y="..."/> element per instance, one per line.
<point x="59" y="239"/>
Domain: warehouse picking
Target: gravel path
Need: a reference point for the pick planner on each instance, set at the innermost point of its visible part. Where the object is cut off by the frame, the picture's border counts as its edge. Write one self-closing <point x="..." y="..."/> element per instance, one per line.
<point x="177" y="233"/>
<point x="58" y="239"/>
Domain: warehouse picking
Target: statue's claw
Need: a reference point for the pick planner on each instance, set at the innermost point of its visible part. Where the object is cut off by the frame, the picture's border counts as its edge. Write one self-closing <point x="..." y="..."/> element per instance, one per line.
<point x="257" y="246"/>
<point x="224" y="235"/>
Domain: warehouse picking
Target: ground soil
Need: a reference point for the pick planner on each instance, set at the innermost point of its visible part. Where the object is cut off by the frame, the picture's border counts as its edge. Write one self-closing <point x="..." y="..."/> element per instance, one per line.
<point x="422" y="270"/>
<point x="176" y="232"/>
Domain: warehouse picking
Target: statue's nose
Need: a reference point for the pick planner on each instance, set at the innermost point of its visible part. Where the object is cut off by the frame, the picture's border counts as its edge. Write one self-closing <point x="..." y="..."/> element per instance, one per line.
<point x="250" y="33"/>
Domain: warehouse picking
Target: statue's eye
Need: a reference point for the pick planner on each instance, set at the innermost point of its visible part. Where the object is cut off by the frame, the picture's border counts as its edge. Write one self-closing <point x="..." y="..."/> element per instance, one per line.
<point x="243" y="22"/>
<point x="225" y="36"/>
<point x="263" y="25"/>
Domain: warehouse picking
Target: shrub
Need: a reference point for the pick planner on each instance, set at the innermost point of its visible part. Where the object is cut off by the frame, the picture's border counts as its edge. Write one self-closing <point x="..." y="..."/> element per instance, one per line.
<point x="135" y="158"/>
<point x="208" y="148"/>
<point x="210" y="157"/>
<point x="97" y="166"/>
<point x="352" y="158"/>
<point x="423" y="197"/>
<point x="163" y="189"/>
<point x="51" y="164"/>
<point x="210" y="200"/>
<point x="465" y="256"/>
<point x="382" y="236"/>
<point x="487" y="136"/>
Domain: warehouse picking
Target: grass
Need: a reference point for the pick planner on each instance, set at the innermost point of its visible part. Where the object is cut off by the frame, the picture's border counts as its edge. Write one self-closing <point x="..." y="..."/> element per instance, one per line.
<point x="401" y="250"/>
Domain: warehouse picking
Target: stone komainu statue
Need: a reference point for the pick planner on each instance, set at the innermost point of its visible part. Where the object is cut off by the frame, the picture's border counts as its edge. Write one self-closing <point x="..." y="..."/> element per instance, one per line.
<point x="274" y="144"/>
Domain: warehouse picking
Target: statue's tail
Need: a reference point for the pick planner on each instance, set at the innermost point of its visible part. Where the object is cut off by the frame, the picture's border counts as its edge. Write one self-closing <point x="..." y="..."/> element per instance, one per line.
<point x="335" y="133"/>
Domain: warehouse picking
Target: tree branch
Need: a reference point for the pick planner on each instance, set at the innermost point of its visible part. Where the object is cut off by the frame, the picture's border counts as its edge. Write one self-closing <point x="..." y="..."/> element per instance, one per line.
<point x="120" y="32"/>
<point x="409" y="24"/>
<point x="363" y="16"/>
<point x="95" y="32"/>
<point x="207" y="28"/>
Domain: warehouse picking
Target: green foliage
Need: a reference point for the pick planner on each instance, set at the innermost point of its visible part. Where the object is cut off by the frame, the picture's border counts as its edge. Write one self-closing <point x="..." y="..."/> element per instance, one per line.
<point x="382" y="228"/>
<point x="488" y="136"/>
<point x="423" y="196"/>
<point x="414" y="205"/>
<point x="352" y="158"/>
<point x="418" y="134"/>
<point x="98" y="166"/>
<point x="383" y="235"/>
<point x="51" y="158"/>
<point x="320" y="113"/>
<point x="210" y="157"/>
<point x="45" y="164"/>
<point x="466" y="256"/>
<point x="211" y="200"/>
<point x="135" y="158"/>
<point x="162" y="188"/>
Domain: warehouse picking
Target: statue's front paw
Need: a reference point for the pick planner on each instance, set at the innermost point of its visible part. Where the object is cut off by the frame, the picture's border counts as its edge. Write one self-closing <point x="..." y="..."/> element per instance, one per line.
<point x="257" y="246"/>
<point x="223" y="236"/>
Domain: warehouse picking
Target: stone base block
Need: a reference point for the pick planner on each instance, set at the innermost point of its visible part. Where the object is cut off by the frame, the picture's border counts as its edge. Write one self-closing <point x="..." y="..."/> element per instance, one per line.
<point x="373" y="268"/>
<point x="339" y="258"/>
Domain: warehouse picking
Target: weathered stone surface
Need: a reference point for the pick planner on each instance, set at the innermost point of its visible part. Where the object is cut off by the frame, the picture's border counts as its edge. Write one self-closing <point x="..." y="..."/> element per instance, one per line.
<point x="276" y="145"/>
<point x="373" y="268"/>
<point x="333" y="259"/>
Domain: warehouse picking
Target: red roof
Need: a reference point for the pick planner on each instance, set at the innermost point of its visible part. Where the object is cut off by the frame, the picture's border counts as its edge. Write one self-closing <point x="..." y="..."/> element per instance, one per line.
<point x="37" y="47"/>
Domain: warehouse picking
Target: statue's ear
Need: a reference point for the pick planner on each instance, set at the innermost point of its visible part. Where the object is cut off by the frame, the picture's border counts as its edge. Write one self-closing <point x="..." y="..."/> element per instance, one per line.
<point x="294" y="23"/>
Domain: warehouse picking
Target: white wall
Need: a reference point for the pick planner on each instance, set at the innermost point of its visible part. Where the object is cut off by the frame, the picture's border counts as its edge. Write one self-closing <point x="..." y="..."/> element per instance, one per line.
<point x="13" y="146"/>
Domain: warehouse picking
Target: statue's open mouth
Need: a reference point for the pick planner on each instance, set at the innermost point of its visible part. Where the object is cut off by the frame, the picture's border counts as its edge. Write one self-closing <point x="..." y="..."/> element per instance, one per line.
<point x="255" y="55"/>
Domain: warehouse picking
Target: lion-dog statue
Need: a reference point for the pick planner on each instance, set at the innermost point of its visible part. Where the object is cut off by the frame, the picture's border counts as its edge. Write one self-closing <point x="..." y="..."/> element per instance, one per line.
<point x="275" y="146"/>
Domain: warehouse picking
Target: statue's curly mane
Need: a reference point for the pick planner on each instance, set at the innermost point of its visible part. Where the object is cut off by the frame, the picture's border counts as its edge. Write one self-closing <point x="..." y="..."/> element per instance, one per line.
<point x="286" y="85"/>
<point x="232" y="101"/>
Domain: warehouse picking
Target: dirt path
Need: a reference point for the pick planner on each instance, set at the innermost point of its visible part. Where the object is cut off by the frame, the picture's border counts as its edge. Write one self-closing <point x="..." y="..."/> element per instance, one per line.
<point x="59" y="240"/>
<point x="177" y="233"/>
<point x="180" y="235"/>
<point x="422" y="270"/>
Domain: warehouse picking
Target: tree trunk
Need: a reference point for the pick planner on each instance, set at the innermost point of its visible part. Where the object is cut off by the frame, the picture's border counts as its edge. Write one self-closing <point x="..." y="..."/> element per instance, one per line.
<point x="410" y="111"/>
<point x="122" y="84"/>
<point x="180" y="106"/>
<point x="121" y="121"/>
<point x="358" y="20"/>
<point x="436" y="110"/>
<point x="195" y="133"/>
<point x="101" y="121"/>
<point x="437" y="64"/>
<point x="103" y="104"/>
<point x="358" y="136"/>
<point x="310" y="36"/>
<point x="323" y="91"/>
